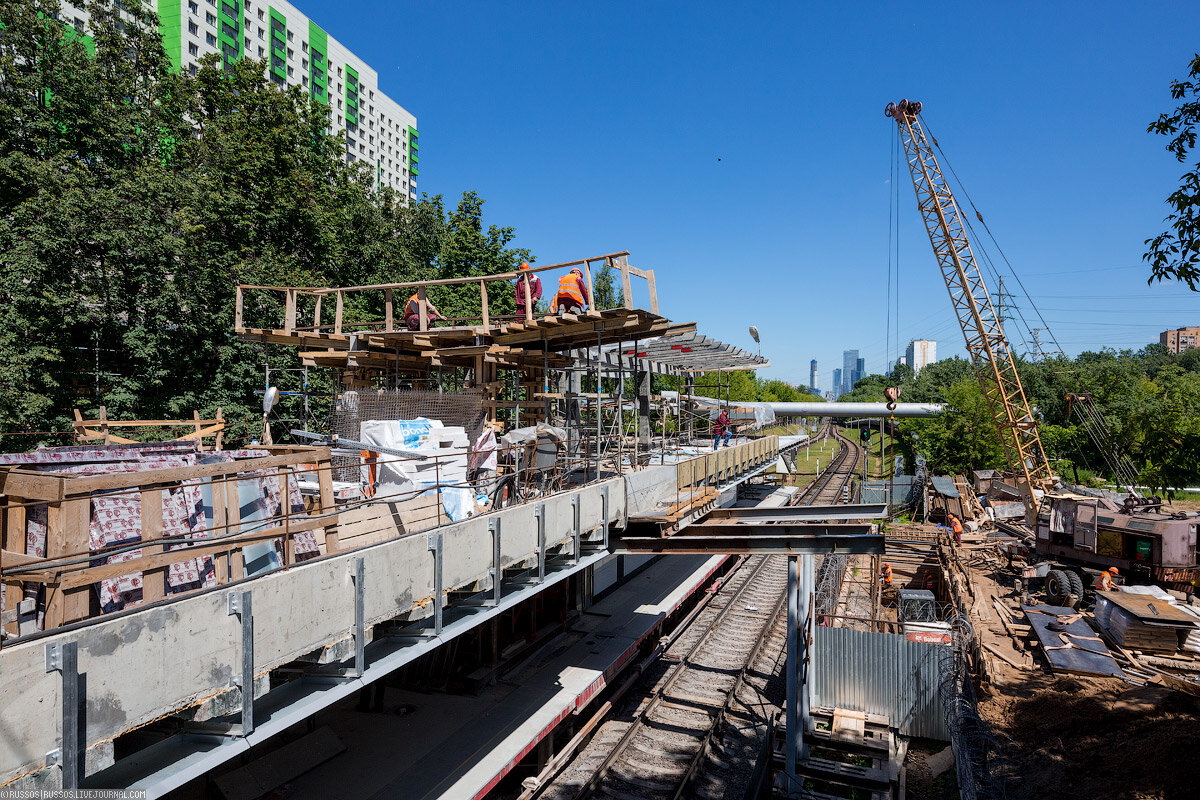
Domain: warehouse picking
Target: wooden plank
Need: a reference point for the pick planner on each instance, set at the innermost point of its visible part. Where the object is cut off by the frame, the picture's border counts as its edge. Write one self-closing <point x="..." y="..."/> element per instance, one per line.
<point x="625" y="285"/>
<point x="367" y="525"/>
<point x="91" y="575"/>
<point x="67" y="535"/>
<point x="653" y="287"/>
<point x="388" y="318"/>
<point x="153" y="580"/>
<point x="422" y="308"/>
<point x="289" y="311"/>
<point x="125" y="480"/>
<point x="483" y="298"/>
<point x="237" y="310"/>
<point x="337" y="314"/>
<point x="327" y="539"/>
<point x="13" y="553"/>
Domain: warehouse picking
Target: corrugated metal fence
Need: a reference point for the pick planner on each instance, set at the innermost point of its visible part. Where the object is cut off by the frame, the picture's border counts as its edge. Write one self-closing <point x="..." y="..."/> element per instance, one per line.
<point x="880" y="673"/>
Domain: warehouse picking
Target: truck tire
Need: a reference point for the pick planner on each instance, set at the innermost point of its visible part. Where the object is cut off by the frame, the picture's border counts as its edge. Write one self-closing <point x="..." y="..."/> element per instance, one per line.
<point x="1076" y="584"/>
<point x="1058" y="587"/>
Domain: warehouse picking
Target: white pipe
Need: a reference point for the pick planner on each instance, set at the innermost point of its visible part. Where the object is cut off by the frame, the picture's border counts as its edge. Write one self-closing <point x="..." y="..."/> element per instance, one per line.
<point x="832" y="409"/>
<point x="856" y="409"/>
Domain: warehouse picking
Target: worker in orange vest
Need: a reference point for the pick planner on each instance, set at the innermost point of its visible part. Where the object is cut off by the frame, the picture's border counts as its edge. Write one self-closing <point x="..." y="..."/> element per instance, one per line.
<point x="535" y="289"/>
<point x="572" y="293"/>
<point x="956" y="527"/>
<point x="1104" y="581"/>
<point x="887" y="574"/>
<point x="412" y="312"/>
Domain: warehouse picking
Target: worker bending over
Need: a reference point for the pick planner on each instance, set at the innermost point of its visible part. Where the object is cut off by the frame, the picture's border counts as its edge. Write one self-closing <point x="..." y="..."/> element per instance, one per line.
<point x="535" y="290"/>
<point x="412" y="312"/>
<point x="572" y="294"/>
<point x="885" y="574"/>
<point x="1104" y="581"/>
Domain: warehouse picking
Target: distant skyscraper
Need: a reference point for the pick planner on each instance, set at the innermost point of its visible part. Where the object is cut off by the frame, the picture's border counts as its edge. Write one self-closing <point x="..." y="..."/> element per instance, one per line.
<point x="860" y="369"/>
<point x="812" y="375"/>
<point x="849" y="370"/>
<point x="837" y="382"/>
<point x="920" y="353"/>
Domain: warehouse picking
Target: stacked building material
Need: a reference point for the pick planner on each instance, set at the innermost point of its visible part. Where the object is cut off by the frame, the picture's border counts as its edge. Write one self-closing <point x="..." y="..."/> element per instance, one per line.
<point x="1142" y="621"/>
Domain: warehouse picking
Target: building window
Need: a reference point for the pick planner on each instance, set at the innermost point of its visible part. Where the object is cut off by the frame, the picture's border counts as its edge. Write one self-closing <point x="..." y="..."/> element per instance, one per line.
<point x="262" y="53"/>
<point x="289" y="72"/>
<point x="289" y="36"/>
<point x="210" y="40"/>
<point x="260" y="13"/>
<point x="304" y="47"/>
<point x="230" y="10"/>
<point x="211" y="19"/>
<point x="192" y="69"/>
<point x="277" y="78"/>
<point x="291" y="53"/>
<point x="247" y="42"/>
<point x="304" y="63"/>
<point x="229" y="31"/>
<point x="262" y="34"/>
<point x="193" y="8"/>
<point x="193" y="50"/>
<point x="193" y="28"/>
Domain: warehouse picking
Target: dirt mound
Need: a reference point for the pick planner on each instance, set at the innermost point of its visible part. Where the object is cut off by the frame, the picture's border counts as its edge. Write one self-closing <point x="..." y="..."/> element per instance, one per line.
<point x="1079" y="737"/>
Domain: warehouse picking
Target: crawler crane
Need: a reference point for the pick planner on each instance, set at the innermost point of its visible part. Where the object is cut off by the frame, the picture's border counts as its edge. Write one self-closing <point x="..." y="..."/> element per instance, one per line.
<point x="1075" y="535"/>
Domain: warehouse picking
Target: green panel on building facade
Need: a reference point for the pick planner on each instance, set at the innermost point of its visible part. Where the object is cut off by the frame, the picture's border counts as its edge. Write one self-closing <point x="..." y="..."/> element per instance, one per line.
<point x="318" y="62"/>
<point x="352" y="87"/>
<point x="170" y="25"/>
<point x="278" y="40"/>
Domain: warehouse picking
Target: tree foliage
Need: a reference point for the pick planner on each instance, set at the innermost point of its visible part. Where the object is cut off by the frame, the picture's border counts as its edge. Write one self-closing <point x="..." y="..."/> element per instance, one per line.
<point x="1175" y="253"/>
<point x="134" y="200"/>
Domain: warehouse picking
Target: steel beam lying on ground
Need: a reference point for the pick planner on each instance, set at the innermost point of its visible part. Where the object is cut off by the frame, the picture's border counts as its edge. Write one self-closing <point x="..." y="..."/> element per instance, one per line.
<point x="738" y="538"/>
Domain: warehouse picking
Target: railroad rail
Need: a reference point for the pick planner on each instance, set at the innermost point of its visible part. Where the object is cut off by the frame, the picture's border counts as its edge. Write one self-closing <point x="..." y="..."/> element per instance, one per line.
<point x="660" y="752"/>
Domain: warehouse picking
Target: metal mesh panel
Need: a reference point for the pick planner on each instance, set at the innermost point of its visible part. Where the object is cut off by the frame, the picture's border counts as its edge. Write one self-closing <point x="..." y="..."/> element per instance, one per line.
<point x="459" y="409"/>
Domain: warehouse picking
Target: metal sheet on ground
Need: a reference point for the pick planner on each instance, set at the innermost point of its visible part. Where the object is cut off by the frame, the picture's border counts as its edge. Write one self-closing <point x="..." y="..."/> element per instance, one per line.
<point x="1086" y="655"/>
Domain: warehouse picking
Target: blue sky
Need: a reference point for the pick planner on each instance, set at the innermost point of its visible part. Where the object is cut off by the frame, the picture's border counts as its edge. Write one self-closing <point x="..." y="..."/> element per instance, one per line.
<point x="596" y="127"/>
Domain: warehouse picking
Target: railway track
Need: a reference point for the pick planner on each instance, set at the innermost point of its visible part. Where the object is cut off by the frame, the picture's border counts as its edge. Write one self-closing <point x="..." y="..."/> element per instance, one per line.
<point x="722" y="658"/>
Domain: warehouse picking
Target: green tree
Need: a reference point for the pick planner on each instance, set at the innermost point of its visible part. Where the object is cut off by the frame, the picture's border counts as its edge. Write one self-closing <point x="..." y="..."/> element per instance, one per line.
<point x="1175" y="253"/>
<point x="962" y="440"/>
<point x="133" y="201"/>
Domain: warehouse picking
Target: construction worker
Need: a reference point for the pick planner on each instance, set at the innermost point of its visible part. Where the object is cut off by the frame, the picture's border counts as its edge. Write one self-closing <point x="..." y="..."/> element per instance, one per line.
<point x="1104" y="581"/>
<point x="535" y="289"/>
<point x="412" y="312"/>
<point x="886" y="574"/>
<point x="956" y="527"/>
<point x="721" y="429"/>
<point x="572" y="293"/>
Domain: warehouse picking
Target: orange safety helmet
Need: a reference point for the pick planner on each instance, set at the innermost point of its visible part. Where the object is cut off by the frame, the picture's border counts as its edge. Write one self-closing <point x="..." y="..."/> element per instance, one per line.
<point x="578" y="270"/>
<point x="524" y="265"/>
<point x="1114" y="570"/>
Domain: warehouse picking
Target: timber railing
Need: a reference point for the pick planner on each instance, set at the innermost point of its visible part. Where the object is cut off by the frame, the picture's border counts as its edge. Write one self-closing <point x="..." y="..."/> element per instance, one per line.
<point x="42" y="593"/>
<point x="307" y="309"/>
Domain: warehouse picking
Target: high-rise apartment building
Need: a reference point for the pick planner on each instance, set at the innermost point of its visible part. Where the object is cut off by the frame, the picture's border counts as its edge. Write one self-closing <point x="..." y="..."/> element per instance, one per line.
<point x="296" y="52"/>
<point x="812" y="375"/>
<point x="920" y="353"/>
<point x="837" y="383"/>
<point x="1180" y="339"/>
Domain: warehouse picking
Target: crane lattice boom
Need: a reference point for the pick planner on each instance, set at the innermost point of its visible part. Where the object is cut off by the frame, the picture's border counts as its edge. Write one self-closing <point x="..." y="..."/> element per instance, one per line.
<point x="986" y="344"/>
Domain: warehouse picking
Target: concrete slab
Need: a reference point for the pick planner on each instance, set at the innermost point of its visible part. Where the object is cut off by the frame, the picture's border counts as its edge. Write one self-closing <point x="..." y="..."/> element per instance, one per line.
<point x="453" y="746"/>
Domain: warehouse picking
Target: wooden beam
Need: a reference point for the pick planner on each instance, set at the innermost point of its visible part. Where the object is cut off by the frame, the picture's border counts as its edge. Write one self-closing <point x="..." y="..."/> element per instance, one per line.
<point x="153" y="580"/>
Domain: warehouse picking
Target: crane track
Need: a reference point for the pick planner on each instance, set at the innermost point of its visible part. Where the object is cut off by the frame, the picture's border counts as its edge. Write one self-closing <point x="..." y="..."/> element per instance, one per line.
<point x="659" y="751"/>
